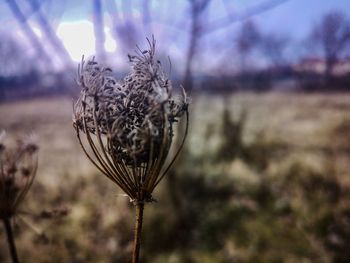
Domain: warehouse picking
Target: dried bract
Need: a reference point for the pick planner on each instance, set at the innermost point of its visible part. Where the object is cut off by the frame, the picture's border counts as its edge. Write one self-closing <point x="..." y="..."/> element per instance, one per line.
<point x="18" y="167"/>
<point x="128" y="124"/>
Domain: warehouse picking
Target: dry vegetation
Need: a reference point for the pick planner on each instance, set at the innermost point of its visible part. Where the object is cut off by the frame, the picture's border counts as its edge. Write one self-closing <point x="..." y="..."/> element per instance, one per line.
<point x="280" y="196"/>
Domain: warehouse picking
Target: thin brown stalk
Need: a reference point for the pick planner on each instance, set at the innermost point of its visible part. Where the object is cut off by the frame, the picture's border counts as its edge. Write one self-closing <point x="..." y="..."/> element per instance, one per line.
<point x="10" y="240"/>
<point x="139" y="206"/>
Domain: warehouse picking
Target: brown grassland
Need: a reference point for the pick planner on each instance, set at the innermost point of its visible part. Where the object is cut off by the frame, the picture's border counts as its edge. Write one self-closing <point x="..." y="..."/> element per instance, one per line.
<point x="264" y="178"/>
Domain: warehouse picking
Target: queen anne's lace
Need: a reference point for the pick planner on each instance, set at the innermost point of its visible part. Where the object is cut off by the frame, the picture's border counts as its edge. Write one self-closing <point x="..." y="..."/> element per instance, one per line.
<point x="18" y="167"/>
<point x="132" y="120"/>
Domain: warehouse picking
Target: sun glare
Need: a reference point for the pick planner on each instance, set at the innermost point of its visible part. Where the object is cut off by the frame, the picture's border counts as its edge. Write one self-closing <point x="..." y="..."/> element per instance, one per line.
<point x="110" y="44"/>
<point x="37" y="31"/>
<point x="79" y="39"/>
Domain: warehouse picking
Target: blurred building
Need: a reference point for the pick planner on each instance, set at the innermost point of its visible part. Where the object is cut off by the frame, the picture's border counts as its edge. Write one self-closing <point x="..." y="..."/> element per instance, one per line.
<point x="317" y="65"/>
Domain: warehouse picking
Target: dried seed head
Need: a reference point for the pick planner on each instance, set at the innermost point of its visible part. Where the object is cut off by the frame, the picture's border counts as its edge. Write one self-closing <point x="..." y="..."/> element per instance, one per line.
<point x="30" y="144"/>
<point x="131" y="118"/>
<point x="17" y="171"/>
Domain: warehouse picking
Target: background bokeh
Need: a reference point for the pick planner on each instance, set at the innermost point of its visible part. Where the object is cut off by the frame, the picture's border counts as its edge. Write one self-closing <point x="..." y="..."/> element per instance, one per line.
<point x="264" y="176"/>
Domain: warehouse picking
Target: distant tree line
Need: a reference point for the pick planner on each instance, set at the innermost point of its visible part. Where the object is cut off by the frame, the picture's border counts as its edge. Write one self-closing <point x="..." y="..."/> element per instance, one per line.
<point x="252" y="60"/>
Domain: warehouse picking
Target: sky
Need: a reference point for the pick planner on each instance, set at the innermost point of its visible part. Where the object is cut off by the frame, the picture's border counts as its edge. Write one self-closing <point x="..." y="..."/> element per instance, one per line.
<point x="296" y="17"/>
<point x="71" y="20"/>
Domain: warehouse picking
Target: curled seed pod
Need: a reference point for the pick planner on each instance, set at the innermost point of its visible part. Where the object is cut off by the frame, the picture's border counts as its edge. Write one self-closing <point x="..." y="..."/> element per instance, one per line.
<point x="17" y="171"/>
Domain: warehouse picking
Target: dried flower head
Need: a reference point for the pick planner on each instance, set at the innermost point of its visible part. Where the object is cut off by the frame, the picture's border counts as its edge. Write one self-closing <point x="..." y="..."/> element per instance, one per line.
<point x="18" y="167"/>
<point x="129" y="124"/>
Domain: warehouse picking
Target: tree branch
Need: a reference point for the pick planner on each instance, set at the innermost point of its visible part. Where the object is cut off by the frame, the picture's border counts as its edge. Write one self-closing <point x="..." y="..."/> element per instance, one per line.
<point x="232" y="18"/>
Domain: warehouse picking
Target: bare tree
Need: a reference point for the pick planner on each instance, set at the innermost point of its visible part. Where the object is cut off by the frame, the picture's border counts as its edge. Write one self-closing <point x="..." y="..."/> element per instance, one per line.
<point x="50" y="34"/>
<point x="128" y="34"/>
<point x="29" y="33"/>
<point x="99" y="30"/>
<point x="248" y="39"/>
<point x="201" y="27"/>
<point x="197" y="8"/>
<point x="146" y="16"/>
<point x="124" y="28"/>
<point x="273" y="48"/>
<point x="332" y="35"/>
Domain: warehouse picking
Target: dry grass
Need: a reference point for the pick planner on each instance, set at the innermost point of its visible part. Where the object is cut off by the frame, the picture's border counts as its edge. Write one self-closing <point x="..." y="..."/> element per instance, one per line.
<point x="51" y="120"/>
<point x="315" y="127"/>
<point x="300" y="119"/>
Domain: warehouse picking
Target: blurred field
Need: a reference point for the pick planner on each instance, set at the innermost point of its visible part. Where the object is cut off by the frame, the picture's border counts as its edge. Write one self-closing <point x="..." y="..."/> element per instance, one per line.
<point x="264" y="178"/>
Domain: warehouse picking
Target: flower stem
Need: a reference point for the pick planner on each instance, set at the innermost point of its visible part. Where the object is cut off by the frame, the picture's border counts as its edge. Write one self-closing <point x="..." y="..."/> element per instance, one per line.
<point x="137" y="234"/>
<point x="10" y="240"/>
